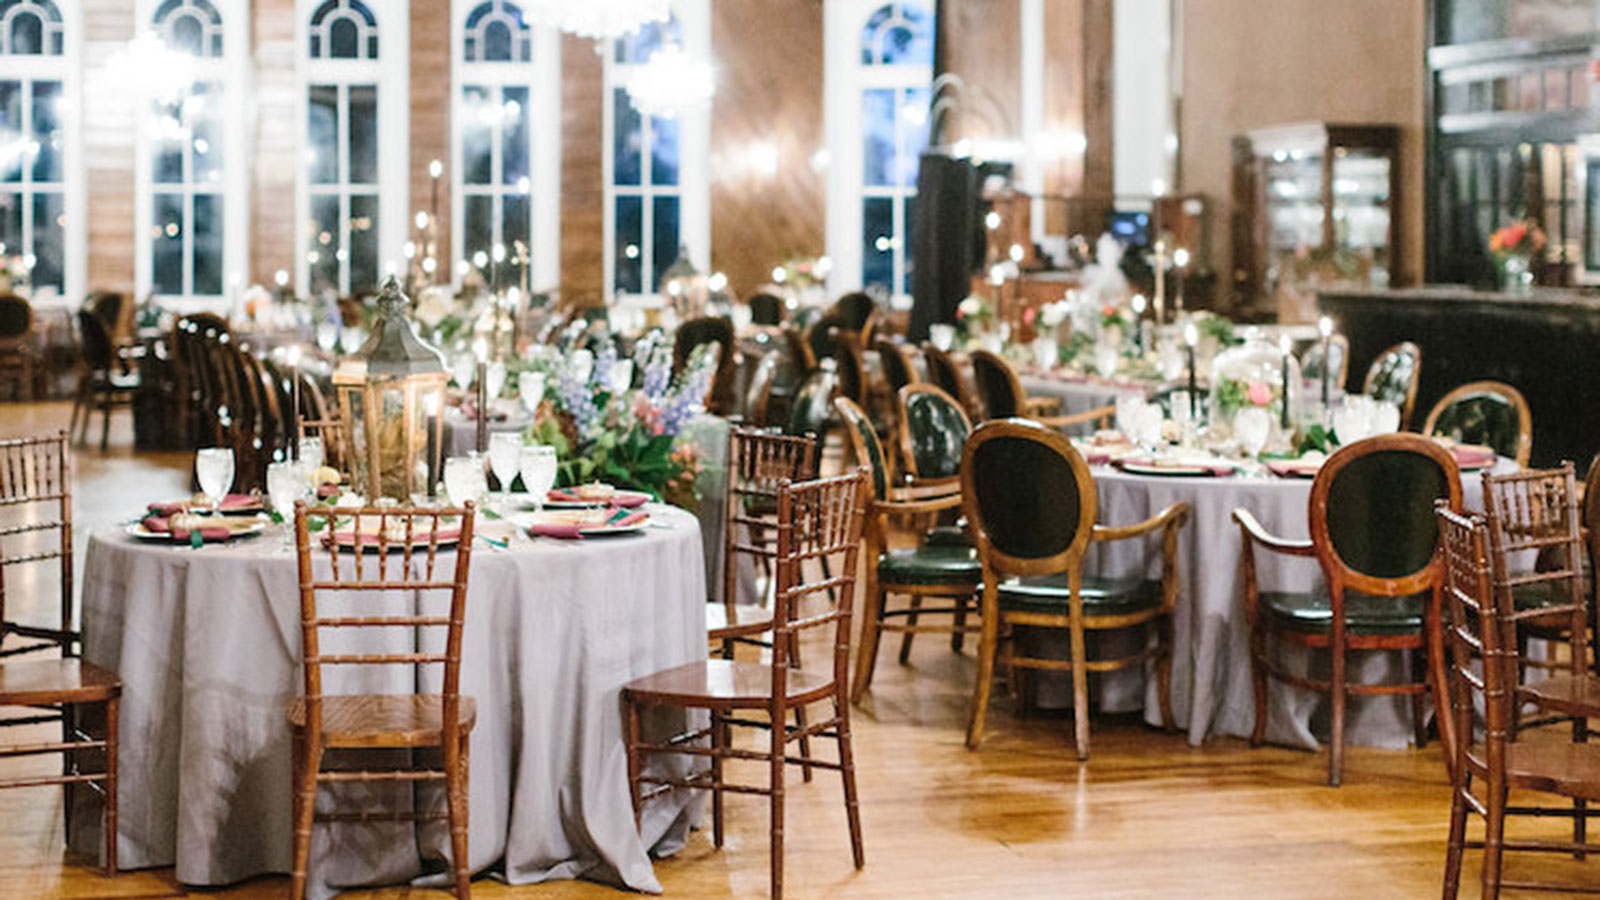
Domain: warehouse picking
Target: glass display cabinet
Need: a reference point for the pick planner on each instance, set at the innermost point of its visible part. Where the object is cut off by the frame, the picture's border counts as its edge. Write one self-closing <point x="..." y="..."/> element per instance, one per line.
<point x="1313" y="209"/>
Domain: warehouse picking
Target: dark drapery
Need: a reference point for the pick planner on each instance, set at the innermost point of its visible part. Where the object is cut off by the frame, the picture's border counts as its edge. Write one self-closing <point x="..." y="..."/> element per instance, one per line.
<point x="947" y="200"/>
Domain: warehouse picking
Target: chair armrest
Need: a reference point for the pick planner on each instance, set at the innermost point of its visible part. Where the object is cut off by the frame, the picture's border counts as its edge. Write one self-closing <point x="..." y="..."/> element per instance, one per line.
<point x="1100" y="414"/>
<point x="911" y="506"/>
<point x="1256" y="534"/>
<point x="1041" y="406"/>
<point x="1172" y="517"/>
<point x="926" y="488"/>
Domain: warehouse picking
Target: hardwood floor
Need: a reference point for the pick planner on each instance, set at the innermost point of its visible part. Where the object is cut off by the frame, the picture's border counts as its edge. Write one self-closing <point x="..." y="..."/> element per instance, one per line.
<point x="1148" y="816"/>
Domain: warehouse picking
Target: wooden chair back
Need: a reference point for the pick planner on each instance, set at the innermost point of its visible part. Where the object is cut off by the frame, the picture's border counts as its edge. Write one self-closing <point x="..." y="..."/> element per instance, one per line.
<point x="857" y="309"/>
<point x="758" y="396"/>
<point x="1393" y="378"/>
<point x="866" y="449"/>
<point x="399" y="563"/>
<point x="759" y="464"/>
<point x="1312" y="363"/>
<point x="94" y="344"/>
<point x="1372" y="520"/>
<point x="1534" y="512"/>
<point x="1485" y="412"/>
<point x="16" y="320"/>
<point x="810" y="412"/>
<point x="933" y="430"/>
<point x="897" y="361"/>
<point x="818" y="521"/>
<point x="1482" y="671"/>
<point x="943" y="372"/>
<point x="36" y="502"/>
<point x="852" y="369"/>
<point x="999" y="389"/>
<point x="709" y="330"/>
<point x="822" y="335"/>
<point x="766" y="309"/>
<point x="1029" y="500"/>
<point x="799" y="349"/>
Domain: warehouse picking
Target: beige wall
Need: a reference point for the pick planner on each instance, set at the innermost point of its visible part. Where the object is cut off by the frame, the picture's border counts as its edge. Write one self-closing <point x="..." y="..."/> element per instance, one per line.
<point x="1251" y="64"/>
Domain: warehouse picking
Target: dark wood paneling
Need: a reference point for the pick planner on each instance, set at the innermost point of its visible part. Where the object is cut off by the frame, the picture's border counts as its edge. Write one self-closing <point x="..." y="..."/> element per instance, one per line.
<point x="769" y="89"/>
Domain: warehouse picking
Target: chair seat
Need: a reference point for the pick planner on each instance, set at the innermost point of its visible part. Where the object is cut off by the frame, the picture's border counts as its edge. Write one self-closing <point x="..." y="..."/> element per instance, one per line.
<point x="1364" y="614"/>
<point x="947" y="536"/>
<point x="723" y="682"/>
<point x="1577" y="695"/>
<point x="1555" y="766"/>
<point x="931" y="564"/>
<point x="56" y="681"/>
<point x="1101" y="596"/>
<point x="747" y="619"/>
<point x="383" y="720"/>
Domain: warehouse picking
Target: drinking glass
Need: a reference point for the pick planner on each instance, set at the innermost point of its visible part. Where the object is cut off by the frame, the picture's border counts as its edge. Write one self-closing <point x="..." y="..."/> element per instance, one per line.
<point x="311" y="455"/>
<point x="1352" y="421"/>
<point x="328" y="336"/>
<point x="462" y="369"/>
<point x="620" y="378"/>
<point x="494" y="379"/>
<point x="530" y="388"/>
<point x="213" y="468"/>
<point x="1385" y="417"/>
<point x="1045" y="353"/>
<point x="464" y="478"/>
<point x="1106" y="359"/>
<point x="286" y="483"/>
<point x="1252" y="426"/>
<point x="942" y="335"/>
<point x="538" y="464"/>
<point x="505" y="450"/>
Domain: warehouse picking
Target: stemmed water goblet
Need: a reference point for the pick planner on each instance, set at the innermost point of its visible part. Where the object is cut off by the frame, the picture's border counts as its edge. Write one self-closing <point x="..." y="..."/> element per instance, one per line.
<point x="505" y="450"/>
<point x="464" y="479"/>
<point x="213" y="469"/>
<point x="538" y="466"/>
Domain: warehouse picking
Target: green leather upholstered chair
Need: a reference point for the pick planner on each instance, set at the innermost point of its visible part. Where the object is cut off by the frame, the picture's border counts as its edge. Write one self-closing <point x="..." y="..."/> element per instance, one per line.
<point x="811" y="412"/>
<point x="1030" y="506"/>
<point x="944" y="372"/>
<point x="1338" y="363"/>
<point x="1393" y="378"/>
<point x="1375" y="536"/>
<point x="945" y="569"/>
<point x="1000" y="391"/>
<point x="1485" y="412"/>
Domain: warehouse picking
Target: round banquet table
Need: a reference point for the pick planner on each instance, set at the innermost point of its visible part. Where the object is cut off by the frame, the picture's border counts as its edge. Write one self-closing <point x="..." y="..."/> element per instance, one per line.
<point x="460" y="434"/>
<point x="1211" y="687"/>
<point x="207" y="642"/>
<point x="1078" y="395"/>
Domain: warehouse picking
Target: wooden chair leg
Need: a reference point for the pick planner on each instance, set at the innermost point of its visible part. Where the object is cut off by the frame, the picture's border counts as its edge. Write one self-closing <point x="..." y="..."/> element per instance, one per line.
<point x="1080" y="692"/>
<point x="911" y="620"/>
<point x="631" y="724"/>
<point x="105" y="420"/>
<point x="456" y="787"/>
<point x="1164" y="672"/>
<point x="719" y="744"/>
<point x="111" y="787"/>
<point x="1340" y="700"/>
<point x="1494" y="821"/>
<point x="847" y="769"/>
<point x="1419" y="716"/>
<point x="69" y="763"/>
<point x="871" y="632"/>
<point x="987" y="647"/>
<point x="799" y="712"/>
<point x="1258" y="682"/>
<point x="958" y="624"/>
<point x="306" y="763"/>
<point x="775" y="775"/>
<point x="1456" y="844"/>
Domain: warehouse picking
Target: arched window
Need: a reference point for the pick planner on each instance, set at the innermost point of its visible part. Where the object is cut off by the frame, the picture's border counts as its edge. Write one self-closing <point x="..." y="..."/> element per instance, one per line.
<point x="194" y="190"/>
<point x="41" y="170"/>
<point x="657" y="182"/>
<point x="879" y="72"/>
<point x="507" y="128"/>
<point x="352" y="188"/>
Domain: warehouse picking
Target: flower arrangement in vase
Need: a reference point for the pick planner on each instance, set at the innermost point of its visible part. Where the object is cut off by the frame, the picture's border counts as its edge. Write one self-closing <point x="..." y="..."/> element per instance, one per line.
<point x="1513" y="248"/>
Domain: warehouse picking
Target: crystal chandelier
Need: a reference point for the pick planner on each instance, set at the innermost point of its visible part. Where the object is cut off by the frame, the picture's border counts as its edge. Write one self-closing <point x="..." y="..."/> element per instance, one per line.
<point x="671" y="82"/>
<point x="600" y="20"/>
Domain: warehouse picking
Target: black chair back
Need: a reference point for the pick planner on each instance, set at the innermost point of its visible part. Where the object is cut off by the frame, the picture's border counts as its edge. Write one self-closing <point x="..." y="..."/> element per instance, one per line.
<point x="16" y="316"/>
<point x="766" y="309"/>
<point x="1372" y="511"/>
<point x="811" y="410"/>
<point x="1028" y="495"/>
<point x="997" y="385"/>
<point x="934" y="428"/>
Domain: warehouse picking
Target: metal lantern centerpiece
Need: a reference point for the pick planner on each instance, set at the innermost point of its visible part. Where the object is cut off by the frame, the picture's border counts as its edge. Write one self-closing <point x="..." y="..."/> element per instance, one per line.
<point x="391" y="392"/>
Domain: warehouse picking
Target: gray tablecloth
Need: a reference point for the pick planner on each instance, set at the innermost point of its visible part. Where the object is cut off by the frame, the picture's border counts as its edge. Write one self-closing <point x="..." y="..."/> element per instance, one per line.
<point x="1211" y="688"/>
<point x="1080" y="395"/>
<point x="208" y="644"/>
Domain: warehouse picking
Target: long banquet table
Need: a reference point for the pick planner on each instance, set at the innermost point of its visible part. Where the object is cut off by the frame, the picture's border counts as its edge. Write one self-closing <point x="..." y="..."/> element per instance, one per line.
<point x="207" y="643"/>
<point x="1211" y="686"/>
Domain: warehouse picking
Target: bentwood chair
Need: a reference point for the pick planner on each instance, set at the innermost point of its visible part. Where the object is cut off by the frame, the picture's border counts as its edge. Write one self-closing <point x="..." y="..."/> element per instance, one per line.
<point x="1393" y="378"/>
<point x="822" y="336"/>
<point x="1337" y="363"/>
<point x="406" y="571"/>
<point x="36" y="498"/>
<point x="18" y="345"/>
<point x="1031" y="506"/>
<point x="1374" y="534"/>
<point x="758" y="406"/>
<point x="816" y="520"/>
<point x="1485" y="412"/>
<point x="946" y="569"/>
<point x="759" y="463"/>
<point x="947" y="375"/>
<point x="103" y="384"/>
<point x="898" y="362"/>
<point x="766" y="309"/>
<point x="1001" y="393"/>
<point x="710" y="330"/>
<point x="1482" y="676"/>
<point x="811" y="412"/>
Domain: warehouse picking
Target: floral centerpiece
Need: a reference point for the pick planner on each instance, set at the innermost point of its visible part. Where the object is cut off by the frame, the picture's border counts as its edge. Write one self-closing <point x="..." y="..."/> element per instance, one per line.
<point x="973" y="316"/>
<point x="1514" y="248"/>
<point x="607" y="430"/>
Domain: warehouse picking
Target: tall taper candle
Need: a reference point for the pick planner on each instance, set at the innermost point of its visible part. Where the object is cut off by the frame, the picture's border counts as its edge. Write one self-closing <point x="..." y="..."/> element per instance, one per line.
<point x="1283" y="344"/>
<point x="294" y="402"/>
<point x="482" y="381"/>
<point x="1191" y="337"/>
<point x="1325" y="328"/>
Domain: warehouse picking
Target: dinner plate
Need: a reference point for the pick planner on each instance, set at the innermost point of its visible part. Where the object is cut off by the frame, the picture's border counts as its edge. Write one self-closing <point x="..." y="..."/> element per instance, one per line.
<point x="234" y="505"/>
<point x="1175" y="469"/>
<point x="236" y="529"/>
<point x="559" y="499"/>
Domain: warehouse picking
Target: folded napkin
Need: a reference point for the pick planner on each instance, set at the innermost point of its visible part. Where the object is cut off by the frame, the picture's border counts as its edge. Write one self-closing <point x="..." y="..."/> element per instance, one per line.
<point x="621" y="499"/>
<point x="1292" y="468"/>
<point x="208" y="533"/>
<point x="233" y="502"/>
<point x="563" y="496"/>
<point x="1472" y="456"/>
<point x="1096" y="457"/>
<point x="555" y="530"/>
<point x="324" y="491"/>
<point x="630" y="520"/>
<point x="369" y="539"/>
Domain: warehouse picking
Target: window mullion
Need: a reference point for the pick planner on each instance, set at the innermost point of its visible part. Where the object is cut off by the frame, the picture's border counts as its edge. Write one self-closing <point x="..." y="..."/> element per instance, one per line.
<point x="26" y="238"/>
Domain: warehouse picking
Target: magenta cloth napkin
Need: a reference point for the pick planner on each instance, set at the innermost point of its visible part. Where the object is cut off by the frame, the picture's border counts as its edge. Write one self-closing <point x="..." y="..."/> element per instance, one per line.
<point x="621" y="499"/>
<point x="232" y="502"/>
<point x="419" y="539"/>
<point x="552" y="529"/>
<point x="1288" y="468"/>
<point x="208" y="533"/>
<point x="1473" y="457"/>
<point x="631" y="519"/>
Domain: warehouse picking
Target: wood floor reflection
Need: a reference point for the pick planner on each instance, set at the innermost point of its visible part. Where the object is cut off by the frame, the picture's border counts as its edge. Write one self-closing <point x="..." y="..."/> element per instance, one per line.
<point x="1148" y="816"/>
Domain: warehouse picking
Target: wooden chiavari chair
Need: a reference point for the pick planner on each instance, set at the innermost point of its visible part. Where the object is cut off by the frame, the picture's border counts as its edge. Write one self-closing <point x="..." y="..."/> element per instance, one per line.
<point x="1483" y="676"/>
<point x="36" y="502"/>
<point x="816" y="520"/>
<point x="389" y="549"/>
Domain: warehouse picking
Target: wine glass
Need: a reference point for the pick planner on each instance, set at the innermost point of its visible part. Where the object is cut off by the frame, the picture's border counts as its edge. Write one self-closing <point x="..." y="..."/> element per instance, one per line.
<point x="311" y="454"/>
<point x="530" y="389"/>
<point x="462" y="370"/>
<point x="1252" y="425"/>
<point x="538" y="465"/>
<point x="494" y="380"/>
<point x="213" y="468"/>
<point x="464" y="479"/>
<point x="505" y="449"/>
<point x="942" y="335"/>
<point x="285" y="484"/>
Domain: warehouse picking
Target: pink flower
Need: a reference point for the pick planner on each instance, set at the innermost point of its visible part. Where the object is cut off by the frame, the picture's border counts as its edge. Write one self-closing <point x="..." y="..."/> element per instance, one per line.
<point x="1260" y="393"/>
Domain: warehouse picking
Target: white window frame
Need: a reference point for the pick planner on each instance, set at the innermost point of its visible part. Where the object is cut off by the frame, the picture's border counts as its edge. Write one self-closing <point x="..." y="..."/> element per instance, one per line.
<point x="542" y="78"/>
<point x="693" y="189"/>
<point x="67" y="68"/>
<point x="232" y="71"/>
<point x="844" y="80"/>
<point x="390" y="73"/>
